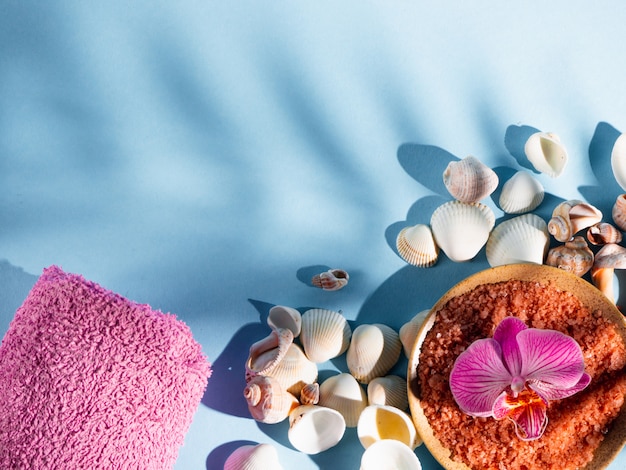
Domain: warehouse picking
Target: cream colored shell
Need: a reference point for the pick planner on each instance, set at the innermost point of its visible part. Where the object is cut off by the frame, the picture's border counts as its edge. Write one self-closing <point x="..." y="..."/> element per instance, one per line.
<point x="295" y="370"/>
<point x="389" y="390"/>
<point x="314" y="429"/>
<point x="343" y="393"/>
<point x="325" y="334"/>
<point x="521" y="193"/>
<point x="373" y="351"/>
<point x="546" y="153"/>
<point x="572" y="216"/>
<point x="267" y="401"/>
<point x="469" y="180"/>
<point x="618" y="161"/>
<point x="408" y="331"/>
<point x="417" y="246"/>
<point x="253" y="457"/>
<point x="522" y="239"/>
<point x="389" y="454"/>
<point x="281" y="316"/>
<point x="378" y="422"/>
<point x="266" y="353"/>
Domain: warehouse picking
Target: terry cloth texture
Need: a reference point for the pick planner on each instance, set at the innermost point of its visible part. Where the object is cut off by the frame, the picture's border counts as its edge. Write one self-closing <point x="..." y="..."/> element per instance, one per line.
<point x="91" y="380"/>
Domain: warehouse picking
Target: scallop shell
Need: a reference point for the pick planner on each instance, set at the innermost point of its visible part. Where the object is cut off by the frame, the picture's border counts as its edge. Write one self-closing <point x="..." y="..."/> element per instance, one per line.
<point x="522" y="239"/>
<point x="389" y="390"/>
<point x="373" y="351"/>
<point x="285" y="317"/>
<point x="253" y="457"/>
<point x="266" y="353"/>
<point x="343" y="393"/>
<point x="570" y="217"/>
<point x="378" y="422"/>
<point x="469" y="180"/>
<point x="325" y="334"/>
<point x="408" y="331"/>
<point x="294" y="371"/>
<point x="310" y="394"/>
<point x="546" y="153"/>
<point x="521" y="193"/>
<point x="267" y="401"/>
<point x="461" y="229"/>
<point x="603" y="233"/>
<point x="618" y="161"/>
<point x="314" y="429"/>
<point x="333" y="279"/>
<point x="389" y="454"/>
<point x="619" y="212"/>
<point x="417" y="246"/>
<point x="574" y="256"/>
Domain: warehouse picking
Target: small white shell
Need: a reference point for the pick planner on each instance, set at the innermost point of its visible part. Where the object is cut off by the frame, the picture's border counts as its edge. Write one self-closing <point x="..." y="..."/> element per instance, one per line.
<point x="266" y="353"/>
<point x="469" y="180"/>
<point x="546" y="153"/>
<point x="572" y="216"/>
<point x="522" y="239"/>
<point x="280" y="316"/>
<point x="408" y="331"/>
<point x="378" y="422"/>
<point x="390" y="390"/>
<point x="618" y="161"/>
<point x="267" y="401"/>
<point x="521" y="193"/>
<point x="461" y="229"/>
<point x="343" y="393"/>
<point x="331" y="280"/>
<point x="295" y="370"/>
<point x="373" y="351"/>
<point x="253" y="457"/>
<point x="314" y="429"/>
<point x="325" y="334"/>
<point x="389" y="454"/>
<point x="417" y="246"/>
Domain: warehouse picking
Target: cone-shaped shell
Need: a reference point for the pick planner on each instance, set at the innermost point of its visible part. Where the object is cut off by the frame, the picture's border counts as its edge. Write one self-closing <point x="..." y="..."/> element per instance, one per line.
<point x="266" y="353"/>
<point x="570" y="217"/>
<point x="408" y="331"/>
<point x="310" y="394"/>
<point x="285" y="317"/>
<point x="603" y="233"/>
<point x="461" y="229"/>
<point x="343" y="393"/>
<point x="521" y="193"/>
<point x="331" y="280"/>
<point x="378" y="422"/>
<point x="574" y="256"/>
<point x="522" y="239"/>
<point x="469" y="180"/>
<point x="253" y="457"/>
<point x="389" y="454"/>
<point x="295" y="370"/>
<point x="314" y="429"/>
<point x="546" y="153"/>
<point x="618" y="161"/>
<point x="373" y="351"/>
<point x="267" y="401"/>
<point x="417" y="246"/>
<point x="325" y="334"/>
<point x="619" y="211"/>
<point x="389" y="390"/>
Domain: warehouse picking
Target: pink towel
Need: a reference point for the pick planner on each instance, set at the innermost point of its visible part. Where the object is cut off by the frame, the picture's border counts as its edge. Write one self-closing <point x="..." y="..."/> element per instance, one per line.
<point x="91" y="380"/>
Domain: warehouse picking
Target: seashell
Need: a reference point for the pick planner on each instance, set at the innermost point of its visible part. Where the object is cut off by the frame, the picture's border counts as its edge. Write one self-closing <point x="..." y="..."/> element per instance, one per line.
<point x="267" y="401"/>
<point x="570" y="217"/>
<point x="522" y="239"/>
<point x="389" y="454"/>
<point x="253" y="457"/>
<point x="618" y="161"/>
<point x="343" y="393"/>
<point x="408" y="331"/>
<point x="417" y="246"/>
<point x="285" y="317"/>
<point x="373" y="351"/>
<point x="619" y="212"/>
<point x="574" y="256"/>
<point x="521" y="193"/>
<point x="378" y="422"/>
<point x="333" y="279"/>
<point x="546" y="153"/>
<point x="310" y="394"/>
<point x="325" y="334"/>
<point x="610" y="257"/>
<point x="603" y="233"/>
<point x="390" y="390"/>
<point x="294" y="371"/>
<point x="266" y="353"/>
<point x="461" y="229"/>
<point x="314" y="429"/>
<point x="469" y="180"/>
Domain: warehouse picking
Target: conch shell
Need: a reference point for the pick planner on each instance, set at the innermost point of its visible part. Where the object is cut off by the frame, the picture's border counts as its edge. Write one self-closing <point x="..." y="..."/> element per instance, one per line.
<point x="266" y="353"/>
<point x="570" y="217"/>
<point x="469" y="180"/>
<point x="546" y="153"/>
<point x="267" y="401"/>
<point x="603" y="233"/>
<point x="574" y="256"/>
<point x="333" y="279"/>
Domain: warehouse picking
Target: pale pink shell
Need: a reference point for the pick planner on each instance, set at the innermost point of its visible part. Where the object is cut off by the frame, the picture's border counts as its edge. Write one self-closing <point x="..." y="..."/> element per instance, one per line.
<point x="267" y="401"/>
<point x="469" y="180"/>
<point x="619" y="211"/>
<point x="331" y="280"/>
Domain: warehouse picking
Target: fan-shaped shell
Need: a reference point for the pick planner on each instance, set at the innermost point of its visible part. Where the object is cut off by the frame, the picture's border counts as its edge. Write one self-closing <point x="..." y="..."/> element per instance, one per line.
<point x="521" y="193"/>
<point x="408" y="331"/>
<point x="378" y="422"/>
<point x="325" y="334"/>
<point x="373" y="351"/>
<point x="331" y="280"/>
<point x="343" y="393"/>
<point x="461" y="229"/>
<point x="619" y="212"/>
<point x="522" y="239"/>
<point x="546" y="153"/>
<point x="253" y="457"/>
<point x="417" y="246"/>
<point x="285" y="317"/>
<point x="618" y="161"/>
<point x="603" y="233"/>
<point x="570" y="217"/>
<point x="574" y="256"/>
<point x="295" y="370"/>
<point x="469" y="180"/>
<point x="267" y="401"/>
<point x="314" y="429"/>
<point x="389" y="454"/>
<point x="390" y="390"/>
<point x="266" y="353"/>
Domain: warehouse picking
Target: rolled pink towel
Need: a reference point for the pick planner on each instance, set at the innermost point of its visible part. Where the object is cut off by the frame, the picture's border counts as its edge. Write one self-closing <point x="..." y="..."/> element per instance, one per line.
<point x="91" y="380"/>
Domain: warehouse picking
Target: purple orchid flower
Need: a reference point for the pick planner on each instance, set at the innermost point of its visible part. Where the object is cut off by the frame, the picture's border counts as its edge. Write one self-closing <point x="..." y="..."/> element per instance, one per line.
<point x="516" y="374"/>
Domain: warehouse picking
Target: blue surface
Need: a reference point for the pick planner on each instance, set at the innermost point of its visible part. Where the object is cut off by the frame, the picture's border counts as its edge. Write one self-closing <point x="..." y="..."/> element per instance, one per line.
<point x="207" y="157"/>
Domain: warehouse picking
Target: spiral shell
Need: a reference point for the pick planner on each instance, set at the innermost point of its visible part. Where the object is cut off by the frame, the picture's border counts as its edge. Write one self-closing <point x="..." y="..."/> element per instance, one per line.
<point x="314" y="429"/>
<point x="378" y="422"/>
<point x="522" y="239"/>
<point x="331" y="280"/>
<point x="266" y="353"/>
<point x="570" y="217"/>
<point x="310" y="394"/>
<point x="373" y="351"/>
<point x="574" y="256"/>
<point x="408" y="331"/>
<point x="285" y="317"/>
<point x="603" y="233"/>
<point x="619" y="212"/>
<point x="618" y="161"/>
<point x="325" y="334"/>
<point x="389" y="454"/>
<point x="469" y="180"/>
<point x="522" y="193"/>
<point x="417" y="246"/>
<point x="343" y="393"/>
<point x="546" y="153"/>
<point x="294" y="371"/>
<point x="267" y="401"/>
<point x="253" y="457"/>
<point x="390" y="390"/>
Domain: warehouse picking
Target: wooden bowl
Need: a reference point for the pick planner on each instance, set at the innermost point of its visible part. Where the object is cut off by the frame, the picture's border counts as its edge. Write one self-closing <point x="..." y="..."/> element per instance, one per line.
<point x="590" y="297"/>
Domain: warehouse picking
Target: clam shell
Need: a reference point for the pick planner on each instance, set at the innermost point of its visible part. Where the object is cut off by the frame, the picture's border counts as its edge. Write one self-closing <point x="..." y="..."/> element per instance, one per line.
<point x="343" y="393"/>
<point x="618" y="212"/>
<point x="373" y="351"/>
<point x="408" y="331"/>
<point x="461" y="229"/>
<point x="574" y="256"/>
<point x="294" y="371"/>
<point x="570" y="217"/>
<point x="469" y="180"/>
<point x="546" y="153"/>
<point x="267" y="401"/>
<point x="266" y="353"/>
<point x="417" y="246"/>
<point x="618" y="161"/>
<point x="378" y="422"/>
<point x="522" y="239"/>
<point x="331" y="280"/>
<point x="310" y="394"/>
<point x="285" y="317"/>
<point x="521" y="193"/>
<point x="325" y="334"/>
<point x="314" y="429"/>
<point x="389" y="390"/>
<point x="253" y="457"/>
<point x="389" y="454"/>
<point x="603" y="233"/>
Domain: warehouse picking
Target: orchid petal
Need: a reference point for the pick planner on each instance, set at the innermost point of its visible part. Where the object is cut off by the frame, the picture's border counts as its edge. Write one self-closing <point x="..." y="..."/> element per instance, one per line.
<point x="479" y="377"/>
<point x="528" y="412"/>
<point x="551" y="392"/>
<point x="505" y="334"/>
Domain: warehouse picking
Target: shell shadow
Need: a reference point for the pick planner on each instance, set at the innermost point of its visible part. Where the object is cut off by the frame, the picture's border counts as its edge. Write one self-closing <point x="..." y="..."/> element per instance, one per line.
<point x="426" y="164"/>
<point x="515" y="138"/>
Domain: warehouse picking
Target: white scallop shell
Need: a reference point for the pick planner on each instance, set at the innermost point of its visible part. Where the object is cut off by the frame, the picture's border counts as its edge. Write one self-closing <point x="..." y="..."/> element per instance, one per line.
<point x="285" y="317"/>
<point x="295" y="370"/>
<point x="390" y="390"/>
<point x="325" y="334"/>
<point x="314" y="429"/>
<point x="469" y="180"/>
<point x="389" y="454"/>
<point x="522" y="239"/>
<point x="343" y="393"/>
<point x="267" y="401"/>
<point x="253" y="457"/>
<point x="546" y="153"/>
<point x="266" y="353"/>
<point x="378" y="422"/>
<point x="618" y="161"/>
<point x="408" y="331"/>
<point x="461" y="229"/>
<point x="521" y="193"/>
<point x="417" y="246"/>
<point x="373" y="351"/>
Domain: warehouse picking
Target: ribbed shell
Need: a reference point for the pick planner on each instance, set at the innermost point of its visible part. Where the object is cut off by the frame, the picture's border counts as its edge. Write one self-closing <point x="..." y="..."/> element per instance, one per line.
<point x="390" y="390"/>
<point x="570" y="217"/>
<point x="546" y="153"/>
<point x="253" y="457"/>
<point x="325" y="334"/>
<point x="295" y="370"/>
<point x="521" y="193"/>
<point x="266" y="353"/>
<point x="310" y="394"/>
<point x="280" y="316"/>
<point x="373" y="351"/>
<point x="267" y="401"/>
<point x="314" y="429"/>
<point x="417" y="246"/>
<point x="408" y="331"/>
<point x="378" y="422"/>
<point x="343" y="393"/>
<point x="522" y="239"/>
<point x="618" y="161"/>
<point x="469" y="180"/>
<point x="574" y="256"/>
<point x="619" y="211"/>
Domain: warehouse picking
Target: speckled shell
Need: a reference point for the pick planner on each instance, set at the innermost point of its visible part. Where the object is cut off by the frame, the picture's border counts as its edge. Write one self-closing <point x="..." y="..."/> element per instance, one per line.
<point x="253" y="457"/>
<point x="521" y="193"/>
<point x="522" y="239"/>
<point x="325" y="334"/>
<point x="461" y="229"/>
<point x="343" y="393"/>
<point x="331" y="280"/>
<point x="417" y="246"/>
<point x="619" y="212"/>
<point x="618" y="161"/>
<point x="389" y="453"/>
<point x="408" y="331"/>
<point x="469" y="180"/>
<point x="373" y="351"/>
<point x="574" y="256"/>
<point x="266" y="353"/>
<point x="570" y="217"/>
<point x="389" y="390"/>
<point x="295" y="370"/>
<point x="280" y="316"/>
<point x="603" y="233"/>
<point x="378" y="422"/>
<point x="310" y="394"/>
<point x="314" y="429"/>
<point x="267" y="401"/>
<point x="546" y="153"/>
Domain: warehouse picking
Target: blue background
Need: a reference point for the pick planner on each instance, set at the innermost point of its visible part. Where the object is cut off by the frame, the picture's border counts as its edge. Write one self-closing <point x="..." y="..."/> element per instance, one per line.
<point x="208" y="157"/>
